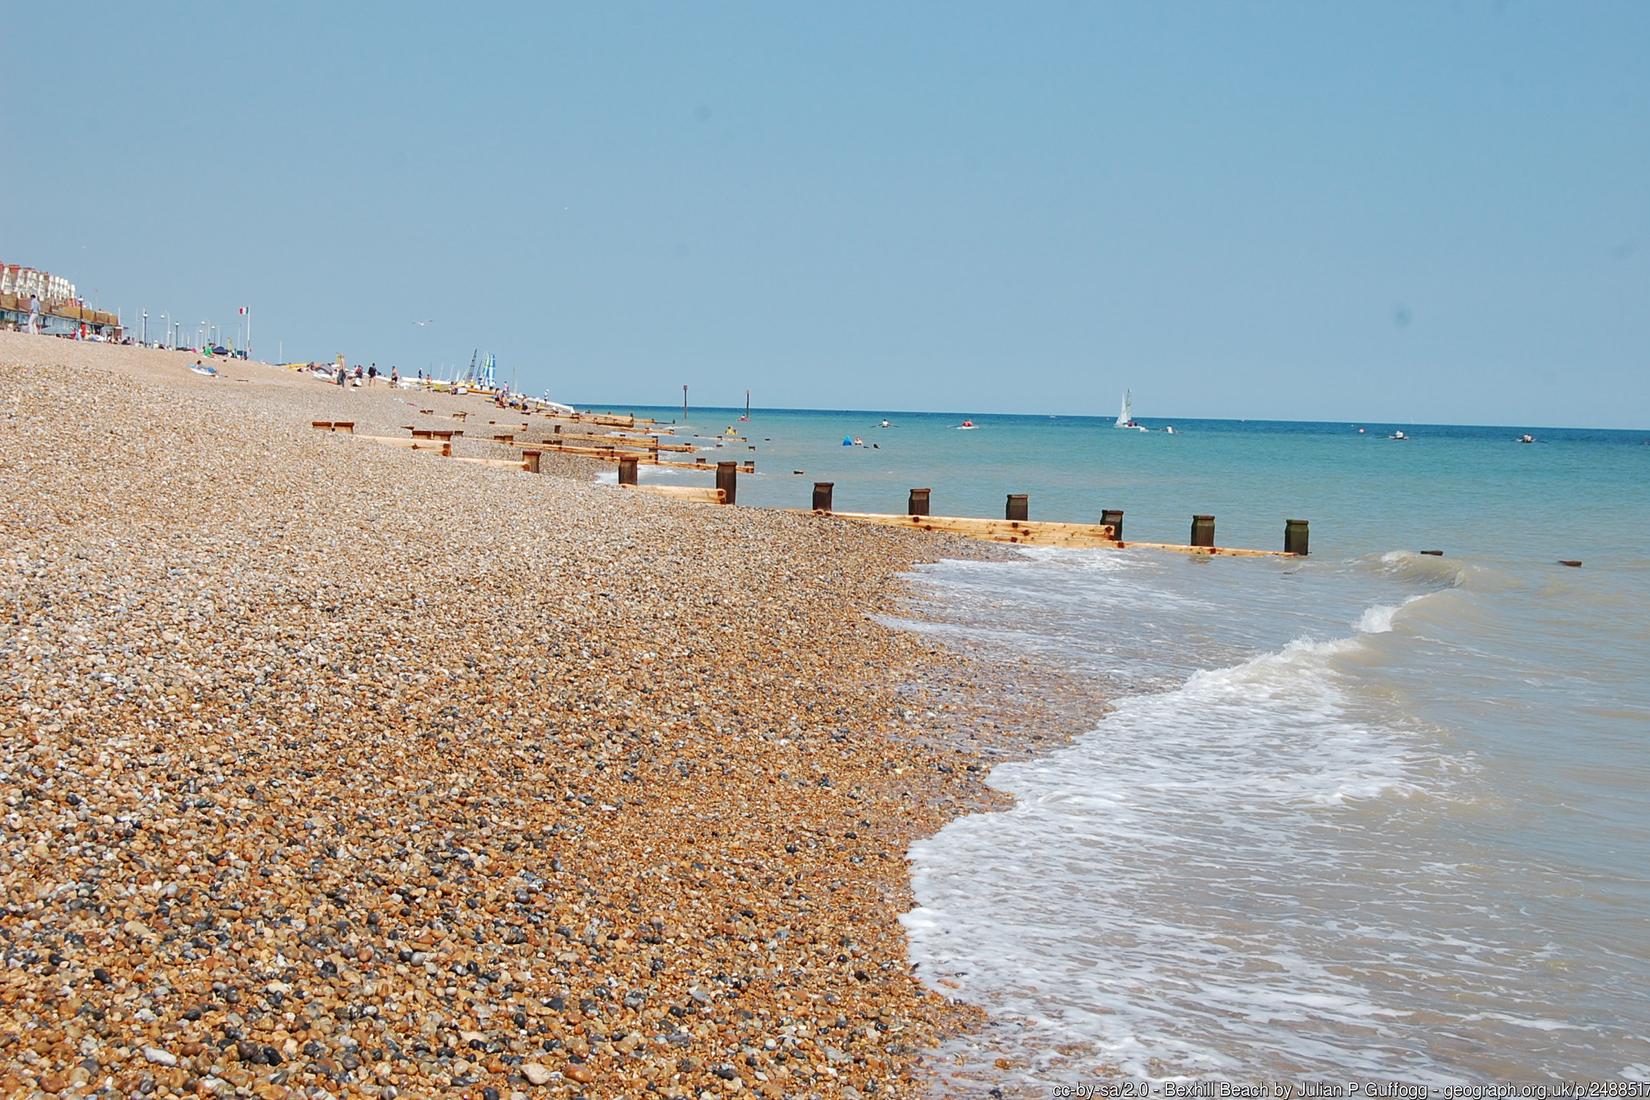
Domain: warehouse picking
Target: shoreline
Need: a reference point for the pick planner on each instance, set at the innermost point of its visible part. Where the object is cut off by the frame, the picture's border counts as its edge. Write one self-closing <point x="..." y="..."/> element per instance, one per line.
<point x="357" y="772"/>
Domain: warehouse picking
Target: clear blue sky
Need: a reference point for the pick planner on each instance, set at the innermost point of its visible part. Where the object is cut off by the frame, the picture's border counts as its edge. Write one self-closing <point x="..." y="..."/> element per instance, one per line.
<point x="1385" y="211"/>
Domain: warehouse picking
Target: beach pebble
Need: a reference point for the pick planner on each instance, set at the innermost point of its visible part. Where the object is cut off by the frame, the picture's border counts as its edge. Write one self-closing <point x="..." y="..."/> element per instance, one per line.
<point x="334" y="768"/>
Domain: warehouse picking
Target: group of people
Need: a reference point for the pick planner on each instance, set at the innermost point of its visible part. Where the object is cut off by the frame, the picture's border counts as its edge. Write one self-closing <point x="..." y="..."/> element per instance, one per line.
<point x="369" y="375"/>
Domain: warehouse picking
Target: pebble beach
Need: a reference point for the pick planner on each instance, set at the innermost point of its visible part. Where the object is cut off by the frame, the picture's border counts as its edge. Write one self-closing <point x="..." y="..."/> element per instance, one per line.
<point x="334" y="769"/>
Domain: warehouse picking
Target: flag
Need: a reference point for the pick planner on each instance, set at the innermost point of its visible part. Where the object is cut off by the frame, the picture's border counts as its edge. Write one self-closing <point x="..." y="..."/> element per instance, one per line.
<point x="243" y="311"/>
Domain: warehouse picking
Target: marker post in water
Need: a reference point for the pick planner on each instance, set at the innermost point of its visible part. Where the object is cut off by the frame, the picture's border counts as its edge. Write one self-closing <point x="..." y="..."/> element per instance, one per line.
<point x="1295" y="536"/>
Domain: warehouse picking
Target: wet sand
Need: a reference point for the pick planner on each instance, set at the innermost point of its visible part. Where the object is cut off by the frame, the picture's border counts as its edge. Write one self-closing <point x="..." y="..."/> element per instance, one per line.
<point x="337" y="769"/>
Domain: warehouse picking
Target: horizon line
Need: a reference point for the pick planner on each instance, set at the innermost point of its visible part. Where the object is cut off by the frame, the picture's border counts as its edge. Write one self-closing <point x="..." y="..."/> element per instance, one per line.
<point x="1106" y="417"/>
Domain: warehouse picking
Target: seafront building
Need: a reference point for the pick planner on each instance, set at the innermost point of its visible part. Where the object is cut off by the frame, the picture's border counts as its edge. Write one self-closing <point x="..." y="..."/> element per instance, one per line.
<point x="62" y="312"/>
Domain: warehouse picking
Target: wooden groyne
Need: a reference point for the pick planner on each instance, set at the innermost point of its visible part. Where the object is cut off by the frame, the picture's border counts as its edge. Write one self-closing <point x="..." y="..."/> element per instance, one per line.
<point x="1016" y="527"/>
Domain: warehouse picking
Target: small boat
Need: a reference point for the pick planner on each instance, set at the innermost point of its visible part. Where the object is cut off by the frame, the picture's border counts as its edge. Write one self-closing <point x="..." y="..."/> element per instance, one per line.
<point x="1399" y="436"/>
<point x="1526" y="438"/>
<point x="1125" y="419"/>
<point x="967" y="426"/>
<point x="210" y="372"/>
<point x="1169" y="430"/>
<point x="885" y="424"/>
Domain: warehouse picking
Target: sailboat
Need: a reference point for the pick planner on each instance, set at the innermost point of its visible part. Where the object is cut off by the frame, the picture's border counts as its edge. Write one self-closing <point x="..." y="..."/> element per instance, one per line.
<point x="1125" y="419"/>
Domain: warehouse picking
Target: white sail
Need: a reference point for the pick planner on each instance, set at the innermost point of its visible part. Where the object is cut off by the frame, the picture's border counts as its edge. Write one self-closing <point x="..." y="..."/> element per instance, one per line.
<point x="1126" y="417"/>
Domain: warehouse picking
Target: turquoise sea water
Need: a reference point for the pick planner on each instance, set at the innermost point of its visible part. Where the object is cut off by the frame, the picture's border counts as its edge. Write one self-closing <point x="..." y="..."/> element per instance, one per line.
<point x="1374" y="813"/>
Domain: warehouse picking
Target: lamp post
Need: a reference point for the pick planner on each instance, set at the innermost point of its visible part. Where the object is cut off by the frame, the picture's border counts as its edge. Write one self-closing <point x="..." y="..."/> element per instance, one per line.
<point x="164" y="316"/>
<point x="144" y="338"/>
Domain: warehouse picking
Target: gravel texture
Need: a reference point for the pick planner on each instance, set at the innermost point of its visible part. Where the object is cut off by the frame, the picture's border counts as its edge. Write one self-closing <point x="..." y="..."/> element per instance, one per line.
<point x="333" y="769"/>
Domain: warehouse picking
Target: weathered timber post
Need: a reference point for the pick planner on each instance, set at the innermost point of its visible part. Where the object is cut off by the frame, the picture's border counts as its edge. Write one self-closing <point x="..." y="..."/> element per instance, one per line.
<point x="1294" y="536"/>
<point x="727" y="480"/>
<point x="557" y="428"/>
<point x="627" y="471"/>
<point x="446" y="449"/>
<point x="1203" y="531"/>
<point x="530" y="460"/>
<point x="1113" y="517"/>
<point x="918" y="504"/>
<point x="822" y="495"/>
<point x="1018" y="507"/>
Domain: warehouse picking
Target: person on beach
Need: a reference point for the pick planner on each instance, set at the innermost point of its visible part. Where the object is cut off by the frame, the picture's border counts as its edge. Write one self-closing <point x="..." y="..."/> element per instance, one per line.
<point x="395" y="377"/>
<point x="372" y="374"/>
<point x="34" y="314"/>
<point x="340" y="376"/>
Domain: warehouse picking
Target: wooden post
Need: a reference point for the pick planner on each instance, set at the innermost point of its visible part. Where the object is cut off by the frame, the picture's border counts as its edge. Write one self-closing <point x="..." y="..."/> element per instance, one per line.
<point x="1114" y="517"/>
<point x="1294" y="537"/>
<point x="822" y="495"/>
<point x="727" y="480"/>
<point x="918" y="504"/>
<point x="1018" y="507"/>
<point x="627" y="471"/>
<point x="530" y="460"/>
<point x="1203" y="531"/>
<point x="446" y="450"/>
<point x="558" y="429"/>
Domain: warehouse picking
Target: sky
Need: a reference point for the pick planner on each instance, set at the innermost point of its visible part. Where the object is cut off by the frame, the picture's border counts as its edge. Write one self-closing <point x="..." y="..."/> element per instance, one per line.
<point x="1404" y="212"/>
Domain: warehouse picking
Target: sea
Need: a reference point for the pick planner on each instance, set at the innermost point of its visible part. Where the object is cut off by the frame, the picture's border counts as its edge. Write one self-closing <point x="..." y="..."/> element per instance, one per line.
<point x="1372" y="815"/>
